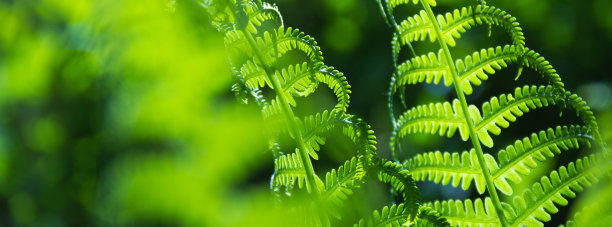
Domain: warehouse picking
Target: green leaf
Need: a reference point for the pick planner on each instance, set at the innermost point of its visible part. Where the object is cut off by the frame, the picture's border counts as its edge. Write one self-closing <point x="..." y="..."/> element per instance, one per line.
<point x="296" y="80"/>
<point x="394" y="3"/>
<point x="299" y="80"/>
<point x="434" y="118"/>
<point x="272" y="110"/>
<point x="401" y="180"/>
<point x="538" y="63"/>
<point x="474" y="68"/>
<point x="257" y="17"/>
<point x="429" y="217"/>
<point x="430" y="68"/>
<point x="339" y="184"/>
<point x="455" y="23"/>
<point x="499" y="112"/>
<point x="362" y="134"/>
<point x="288" y="170"/>
<point x="583" y="111"/>
<point x="336" y="81"/>
<point x="447" y="167"/>
<point x="396" y="215"/>
<point x="254" y="76"/>
<point x="316" y="127"/>
<point x="467" y="213"/>
<point x="273" y="45"/>
<point x="536" y="204"/>
<point x="517" y="160"/>
<point x="417" y="27"/>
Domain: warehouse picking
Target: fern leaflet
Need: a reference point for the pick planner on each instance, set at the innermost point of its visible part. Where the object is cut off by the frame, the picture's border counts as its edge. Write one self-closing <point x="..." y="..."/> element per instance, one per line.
<point x="536" y="204"/>
<point x="467" y="213"/>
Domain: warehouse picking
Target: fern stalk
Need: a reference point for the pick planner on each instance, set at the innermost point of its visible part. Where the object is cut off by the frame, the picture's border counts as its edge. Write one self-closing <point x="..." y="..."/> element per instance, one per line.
<point x="288" y="112"/>
<point x="306" y="162"/>
<point x="310" y="181"/>
<point x="470" y="123"/>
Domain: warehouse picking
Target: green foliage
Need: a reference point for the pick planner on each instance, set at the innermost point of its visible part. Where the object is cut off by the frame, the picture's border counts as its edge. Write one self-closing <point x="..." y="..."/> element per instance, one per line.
<point x="535" y="204"/>
<point x="288" y="170"/>
<point x="395" y="215"/>
<point x="340" y="184"/>
<point x="519" y="159"/>
<point x="401" y="180"/>
<point x="446" y="167"/>
<point x="259" y="56"/>
<point x="117" y="113"/>
<point x="468" y="212"/>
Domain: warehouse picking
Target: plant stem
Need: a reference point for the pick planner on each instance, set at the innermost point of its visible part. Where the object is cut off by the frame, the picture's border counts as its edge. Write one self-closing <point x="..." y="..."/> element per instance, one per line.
<point x="466" y="114"/>
<point x="286" y="109"/>
<point x="288" y="112"/>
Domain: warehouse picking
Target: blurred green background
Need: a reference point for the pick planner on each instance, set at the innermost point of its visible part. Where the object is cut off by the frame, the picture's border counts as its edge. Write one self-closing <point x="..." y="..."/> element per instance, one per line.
<point x="120" y="112"/>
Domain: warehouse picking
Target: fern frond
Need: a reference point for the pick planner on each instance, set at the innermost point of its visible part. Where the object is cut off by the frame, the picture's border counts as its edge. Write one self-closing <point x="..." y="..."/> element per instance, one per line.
<point x="519" y="159"/>
<point x="275" y="44"/>
<point x="396" y="215"/>
<point x="499" y="112"/>
<point x="258" y="17"/>
<point x="284" y="40"/>
<point x="296" y="81"/>
<point x="336" y="81"/>
<point x="502" y="110"/>
<point x="339" y="184"/>
<point x="236" y="44"/>
<point x="474" y="68"/>
<point x="417" y="27"/>
<point x="430" y="218"/>
<point x="446" y="167"/>
<point x="583" y="111"/>
<point x="538" y="63"/>
<point x="460" y="20"/>
<point x="254" y="76"/>
<point x="315" y="127"/>
<point x="254" y="16"/>
<point x="362" y="134"/>
<point x="272" y="110"/>
<point x="434" y="118"/>
<point x="414" y="28"/>
<point x="467" y="213"/>
<point x="392" y="4"/>
<point x="515" y="161"/>
<point x="300" y="80"/>
<point x="401" y="180"/>
<point x="288" y="170"/>
<point x="219" y="14"/>
<point x="430" y="68"/>
<point x="536" y="204"/>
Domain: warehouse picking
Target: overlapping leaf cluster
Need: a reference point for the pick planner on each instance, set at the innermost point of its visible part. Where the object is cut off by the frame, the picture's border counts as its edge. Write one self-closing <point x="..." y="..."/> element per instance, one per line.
<point x="258" y="43"/>
<point x="534" y="205"/>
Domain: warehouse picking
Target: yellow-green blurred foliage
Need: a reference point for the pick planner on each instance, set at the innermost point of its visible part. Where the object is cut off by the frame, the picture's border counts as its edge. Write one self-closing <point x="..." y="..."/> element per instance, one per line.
<point x="120" y="113"/>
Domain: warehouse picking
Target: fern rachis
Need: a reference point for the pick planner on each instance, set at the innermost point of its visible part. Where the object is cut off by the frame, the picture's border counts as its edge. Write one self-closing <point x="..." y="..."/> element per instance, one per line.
<point x="254" y="51"/>
<point x="477" y="124"/>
